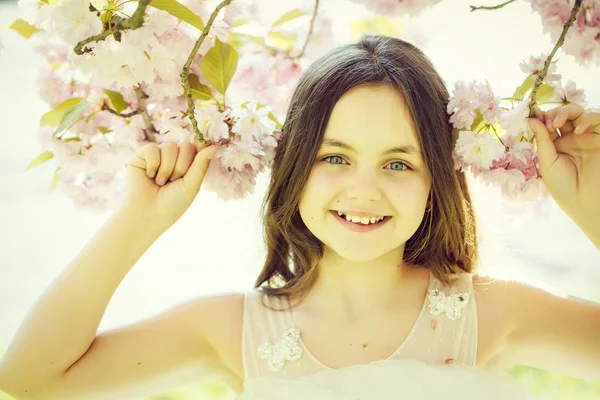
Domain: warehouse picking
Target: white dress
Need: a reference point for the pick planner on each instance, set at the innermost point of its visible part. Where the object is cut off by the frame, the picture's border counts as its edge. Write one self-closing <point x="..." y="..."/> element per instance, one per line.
<point x="436" y="361"/>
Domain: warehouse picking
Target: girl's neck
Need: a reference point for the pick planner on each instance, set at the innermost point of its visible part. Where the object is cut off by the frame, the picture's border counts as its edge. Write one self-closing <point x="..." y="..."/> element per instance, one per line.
<point x="352" y="290"/>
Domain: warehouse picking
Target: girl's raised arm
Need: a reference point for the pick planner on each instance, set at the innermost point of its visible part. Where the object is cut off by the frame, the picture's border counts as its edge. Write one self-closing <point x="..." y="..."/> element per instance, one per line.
<point x="57" y="354"/>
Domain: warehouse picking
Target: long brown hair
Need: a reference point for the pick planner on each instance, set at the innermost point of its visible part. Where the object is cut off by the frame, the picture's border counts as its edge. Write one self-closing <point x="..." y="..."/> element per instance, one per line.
<point x="445" y="241"/>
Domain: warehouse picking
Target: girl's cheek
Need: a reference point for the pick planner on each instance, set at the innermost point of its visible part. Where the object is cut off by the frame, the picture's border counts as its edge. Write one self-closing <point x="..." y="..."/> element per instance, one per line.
<point x="321" y="177"/>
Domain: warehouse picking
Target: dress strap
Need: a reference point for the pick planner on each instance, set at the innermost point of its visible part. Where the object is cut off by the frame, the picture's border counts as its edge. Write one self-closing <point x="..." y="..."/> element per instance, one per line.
<point x="262" y="324"/>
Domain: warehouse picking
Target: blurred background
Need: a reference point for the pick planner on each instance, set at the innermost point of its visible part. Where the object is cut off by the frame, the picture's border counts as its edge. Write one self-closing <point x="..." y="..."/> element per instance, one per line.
<point x="41" y="232"/>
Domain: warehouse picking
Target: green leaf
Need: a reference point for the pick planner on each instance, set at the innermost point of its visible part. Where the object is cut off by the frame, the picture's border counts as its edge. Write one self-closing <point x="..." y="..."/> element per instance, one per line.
<point x="199" y="91"/>
<point x="103" y="130"/>
<point x="218" y="65"/>
<point x="55" y="179"/>
<point x="288" y="16"/>
<point x="24" y="28"/>
<point x="202" y="95"/>
<point x="285" y="42"/>
<point x="478" y="122"/>
<point x="273" y="118"/>
<point x="118" y="102"/>
<point x="54" y="116"/>
<point x="179" y="11"/>
<point x="72" y="115"/>
<point x="239" y="22"/>
<point x="524" y="88"/>
<point x="544" y="93"/>
<point x="40" y="159"/>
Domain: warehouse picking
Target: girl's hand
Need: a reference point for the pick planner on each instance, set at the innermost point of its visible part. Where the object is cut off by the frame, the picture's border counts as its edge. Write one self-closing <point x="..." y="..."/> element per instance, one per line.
<point x="163" y="180"/>
<point x="568" y="145"/>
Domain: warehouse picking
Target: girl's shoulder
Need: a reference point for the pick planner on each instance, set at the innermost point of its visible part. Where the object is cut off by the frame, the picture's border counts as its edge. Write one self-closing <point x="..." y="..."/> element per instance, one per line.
<point x="220" y="319"/>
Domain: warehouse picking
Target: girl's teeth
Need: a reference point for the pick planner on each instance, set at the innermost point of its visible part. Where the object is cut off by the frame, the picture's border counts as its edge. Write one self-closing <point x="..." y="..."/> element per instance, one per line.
<point x="361" y="220"/>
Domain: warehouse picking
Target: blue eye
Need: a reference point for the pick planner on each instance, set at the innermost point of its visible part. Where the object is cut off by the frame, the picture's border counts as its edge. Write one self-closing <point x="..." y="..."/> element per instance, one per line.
<point x="331" y="157"/>
<point x="404" y="166"/>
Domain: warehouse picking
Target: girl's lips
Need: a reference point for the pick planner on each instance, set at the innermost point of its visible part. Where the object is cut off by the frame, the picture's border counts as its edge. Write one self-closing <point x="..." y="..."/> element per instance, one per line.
<point x="360" y="227"/>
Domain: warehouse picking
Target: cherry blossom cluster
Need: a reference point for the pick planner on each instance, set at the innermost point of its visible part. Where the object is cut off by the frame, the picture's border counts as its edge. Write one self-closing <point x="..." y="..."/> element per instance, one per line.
<point x="144" y="66"/>
<point x="583" y="39"/>
<point x="397" y="7"/>
<point x="495" y="142"/>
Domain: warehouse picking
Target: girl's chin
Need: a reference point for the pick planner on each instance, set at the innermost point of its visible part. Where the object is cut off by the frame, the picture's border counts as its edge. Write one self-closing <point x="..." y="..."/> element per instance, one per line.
<point x="355" y="254"/>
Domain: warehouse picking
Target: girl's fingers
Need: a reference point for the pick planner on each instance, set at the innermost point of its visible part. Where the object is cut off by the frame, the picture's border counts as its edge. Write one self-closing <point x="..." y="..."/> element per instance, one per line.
<point x="168" y="157"/>
<point x="539" y="114"/>
<point x="547" y="153"/>
<point x="151" y="155"/>
<point x="187" y="152"/>
<point x="588" y="123"/>
<point x="570" y="112"/>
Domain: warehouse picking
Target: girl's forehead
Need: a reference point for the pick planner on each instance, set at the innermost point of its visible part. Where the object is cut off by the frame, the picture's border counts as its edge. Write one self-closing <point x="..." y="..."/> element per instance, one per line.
<point x="375" y="114"/>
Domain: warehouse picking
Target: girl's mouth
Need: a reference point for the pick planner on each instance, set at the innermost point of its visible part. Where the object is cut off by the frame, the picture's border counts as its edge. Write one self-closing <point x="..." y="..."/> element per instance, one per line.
<point x="357" y="226"/>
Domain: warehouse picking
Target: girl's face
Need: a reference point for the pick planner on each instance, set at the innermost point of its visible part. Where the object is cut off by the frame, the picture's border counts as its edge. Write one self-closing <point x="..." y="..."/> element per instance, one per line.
<point x="370" y="162"/>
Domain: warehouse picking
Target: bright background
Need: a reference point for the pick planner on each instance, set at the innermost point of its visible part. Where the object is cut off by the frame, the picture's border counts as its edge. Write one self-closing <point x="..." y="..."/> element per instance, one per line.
<point x="40" y="233"/>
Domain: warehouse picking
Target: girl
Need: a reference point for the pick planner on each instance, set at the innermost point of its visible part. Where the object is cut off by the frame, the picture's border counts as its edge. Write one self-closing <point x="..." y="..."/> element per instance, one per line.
<point x="369" y="288"/>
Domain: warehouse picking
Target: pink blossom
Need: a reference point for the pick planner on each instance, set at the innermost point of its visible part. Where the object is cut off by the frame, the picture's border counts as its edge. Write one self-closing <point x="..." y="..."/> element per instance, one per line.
<point x="397" y="7"/>
<point x="73" y="21"/>
<point x="53" y="88"/>
<point x="521" y="155"/>
<point x="253" y="122"/>
<point x="462" y="105"/>
<point x="53" y="49"/>
<point x="536" y="65"/>
<point x="227" y="184"/>
<point x="287" y="71"/>
<point x="253" y="79"/>
<point x="95" y="193"/>
<point x="583" y="38"/>
<point x="478" y="150"/>
<point x="487" y="103"/>
<point x="569" y="94"/>
<point x="211" y="123"/>
<point x="514" y="121"/>
<point x="241" y="155"/>
<point x="129" y="133"/>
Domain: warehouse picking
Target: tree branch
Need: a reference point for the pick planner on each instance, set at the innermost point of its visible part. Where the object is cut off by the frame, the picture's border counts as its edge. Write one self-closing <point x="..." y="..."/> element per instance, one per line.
<point x="150" y="130"/>
<point x="105" y="107"/>
<point x="134" y="22"/>
<point x="310" y="30"/>
<point x="561" y="40"/>
<point x="185" y="73"/>
<point x="475" y="8"/>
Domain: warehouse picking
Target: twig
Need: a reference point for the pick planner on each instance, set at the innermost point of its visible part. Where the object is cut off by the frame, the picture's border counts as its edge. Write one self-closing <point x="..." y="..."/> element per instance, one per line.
<point x="185" y="73"/>
<point x="105" y="107"/>
<point x="150" y="130"/>
<point x="134" y="22"/>
<point x="561" y="40"/>
<point x="475" y="8"/>
<point x="310" y="30"/>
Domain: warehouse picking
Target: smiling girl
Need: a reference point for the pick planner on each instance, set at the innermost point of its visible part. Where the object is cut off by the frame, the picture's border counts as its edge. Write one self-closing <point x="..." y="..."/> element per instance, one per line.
<point x="369" y="288"/>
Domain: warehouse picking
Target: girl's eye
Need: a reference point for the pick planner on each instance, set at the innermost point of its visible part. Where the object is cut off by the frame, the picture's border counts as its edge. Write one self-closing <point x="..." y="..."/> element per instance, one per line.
<point x="402" y="165"/>
<point x="333" y="158"/>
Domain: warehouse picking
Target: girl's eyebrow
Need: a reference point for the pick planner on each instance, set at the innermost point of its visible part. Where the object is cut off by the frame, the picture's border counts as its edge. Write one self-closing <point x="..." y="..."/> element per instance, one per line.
<point x="407" y="149"/>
